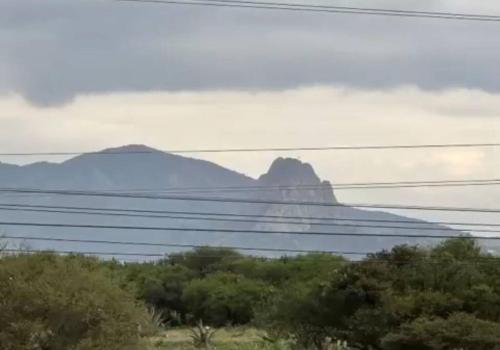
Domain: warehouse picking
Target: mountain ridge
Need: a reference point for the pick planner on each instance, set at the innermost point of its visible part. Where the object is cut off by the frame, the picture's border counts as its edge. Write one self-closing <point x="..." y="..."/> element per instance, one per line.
<point x="141" y="167"/>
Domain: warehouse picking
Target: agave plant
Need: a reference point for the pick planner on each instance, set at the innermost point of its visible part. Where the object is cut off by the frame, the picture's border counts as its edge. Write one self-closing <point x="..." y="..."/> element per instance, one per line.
<point x="202" y="335"/>
<point x="156" y="318"/>
<point x="152" y="324"/>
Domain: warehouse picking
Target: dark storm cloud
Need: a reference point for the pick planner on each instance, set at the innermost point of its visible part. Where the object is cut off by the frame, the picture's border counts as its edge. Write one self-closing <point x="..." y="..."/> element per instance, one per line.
<point x="53" y="50"/>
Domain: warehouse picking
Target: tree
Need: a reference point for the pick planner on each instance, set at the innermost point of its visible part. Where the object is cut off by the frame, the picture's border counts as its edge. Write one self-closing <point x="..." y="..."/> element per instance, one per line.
<point x="205" y="260"/>
<point x="363" y="302"/>
<point x="161" y="286"/>
<point x="297" y="312"/>
<point x="59" y="303"/>
<point x="279" y="272"/>
<point x="302" y="307"/>
<point x="459" y="331"/>
<point x="224" y="298"/>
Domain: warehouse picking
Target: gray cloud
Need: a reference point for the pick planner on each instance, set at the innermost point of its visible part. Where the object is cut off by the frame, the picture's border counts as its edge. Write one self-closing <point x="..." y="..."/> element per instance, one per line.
<point x="54" y="50"/>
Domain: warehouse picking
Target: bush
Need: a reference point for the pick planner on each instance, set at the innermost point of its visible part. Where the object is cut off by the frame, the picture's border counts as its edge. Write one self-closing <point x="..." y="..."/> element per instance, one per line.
<point x="459" y="331"/>
<point x="224" y="298"/>
<point x="161" y="286"/>
<point x="65" y="303"/>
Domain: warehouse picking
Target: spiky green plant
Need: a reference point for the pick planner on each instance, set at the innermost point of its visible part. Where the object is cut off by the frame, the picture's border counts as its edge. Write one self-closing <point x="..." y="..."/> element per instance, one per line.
<point x="202" y="335"/>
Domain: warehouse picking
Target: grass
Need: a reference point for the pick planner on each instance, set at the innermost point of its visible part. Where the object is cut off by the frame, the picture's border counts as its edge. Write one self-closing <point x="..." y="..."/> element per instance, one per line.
<point x="225" y="339"/>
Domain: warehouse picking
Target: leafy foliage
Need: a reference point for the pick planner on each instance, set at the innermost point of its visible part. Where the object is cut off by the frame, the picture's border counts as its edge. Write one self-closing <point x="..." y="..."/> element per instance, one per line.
<point x="60" y="303"/>
<point x="441" y="298"/>
<point x="224" y="298"/>
<point x="397" y="299"/>
<point x="458" y="331"/>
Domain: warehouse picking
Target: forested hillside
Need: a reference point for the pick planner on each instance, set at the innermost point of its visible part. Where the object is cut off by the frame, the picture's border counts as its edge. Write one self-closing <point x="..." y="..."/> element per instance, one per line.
<point x="406" y="298"/>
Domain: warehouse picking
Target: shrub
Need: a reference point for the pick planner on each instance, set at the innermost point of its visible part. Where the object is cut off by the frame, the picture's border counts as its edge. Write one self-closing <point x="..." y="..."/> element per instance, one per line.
<point x="459" y="331"/>
<point x="65" y="303"/>
<point x="224" y="298"/>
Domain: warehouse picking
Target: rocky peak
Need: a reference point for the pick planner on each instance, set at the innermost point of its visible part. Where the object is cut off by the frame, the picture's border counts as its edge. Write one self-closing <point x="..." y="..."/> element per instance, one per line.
<point x="290" y="171"/>
<point x="299" y="182"/>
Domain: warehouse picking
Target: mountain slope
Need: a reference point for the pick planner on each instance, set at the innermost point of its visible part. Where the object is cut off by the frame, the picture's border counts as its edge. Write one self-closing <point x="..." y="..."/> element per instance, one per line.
<point x="140" y="169"/>
<point x="125" y="167"/>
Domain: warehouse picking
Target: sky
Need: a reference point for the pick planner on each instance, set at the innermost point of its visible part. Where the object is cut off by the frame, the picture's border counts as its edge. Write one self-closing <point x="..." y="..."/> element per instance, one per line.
<point x="84" y="75"/>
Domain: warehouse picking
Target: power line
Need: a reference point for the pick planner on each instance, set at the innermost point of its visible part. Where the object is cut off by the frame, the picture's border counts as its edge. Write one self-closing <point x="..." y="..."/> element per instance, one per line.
<point x="114" y="253"/>
<point x="323" y="187"/>
<point x="222" y="220"/>
<point x="241" y="231"/>
<point x="339" y="187"/>
<point x="248" y="201"/>
<point x="157" y="255"/>
<point x="326" y="9"/>
<point x="201" y="215"/>
<point x="371" y="259"/>
<point x="10" y="250"/>
<point x="176" y="245"/>
<point x="263" y="149"/>
<point x="354" y="8"/>
<point x="307" y="187"/>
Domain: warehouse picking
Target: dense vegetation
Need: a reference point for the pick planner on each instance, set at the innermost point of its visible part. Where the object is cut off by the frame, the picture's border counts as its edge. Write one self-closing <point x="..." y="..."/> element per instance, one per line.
<point x="447" y="297"/>
<point x="48" y="302"/>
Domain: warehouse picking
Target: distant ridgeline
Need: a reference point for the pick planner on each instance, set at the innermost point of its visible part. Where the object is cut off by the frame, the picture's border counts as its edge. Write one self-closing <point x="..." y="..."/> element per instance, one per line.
<point x="143" y="171"/>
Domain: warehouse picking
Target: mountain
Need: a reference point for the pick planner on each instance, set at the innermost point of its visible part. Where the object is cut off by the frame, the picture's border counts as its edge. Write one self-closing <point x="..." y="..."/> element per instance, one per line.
<point x="122" y="168"/>
<point x="146" y="172"/>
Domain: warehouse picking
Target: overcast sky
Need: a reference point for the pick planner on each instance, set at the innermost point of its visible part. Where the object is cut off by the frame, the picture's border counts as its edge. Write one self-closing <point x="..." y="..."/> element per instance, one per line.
<point x="85" y="75"/>
<point x="53" y="50"/>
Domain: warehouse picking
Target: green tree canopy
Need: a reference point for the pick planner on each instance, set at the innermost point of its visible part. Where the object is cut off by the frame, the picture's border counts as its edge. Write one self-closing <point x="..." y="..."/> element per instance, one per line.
<point x="224" y="298"/>
<point x="458" y="331"/>
<point x="65" y="303"/>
